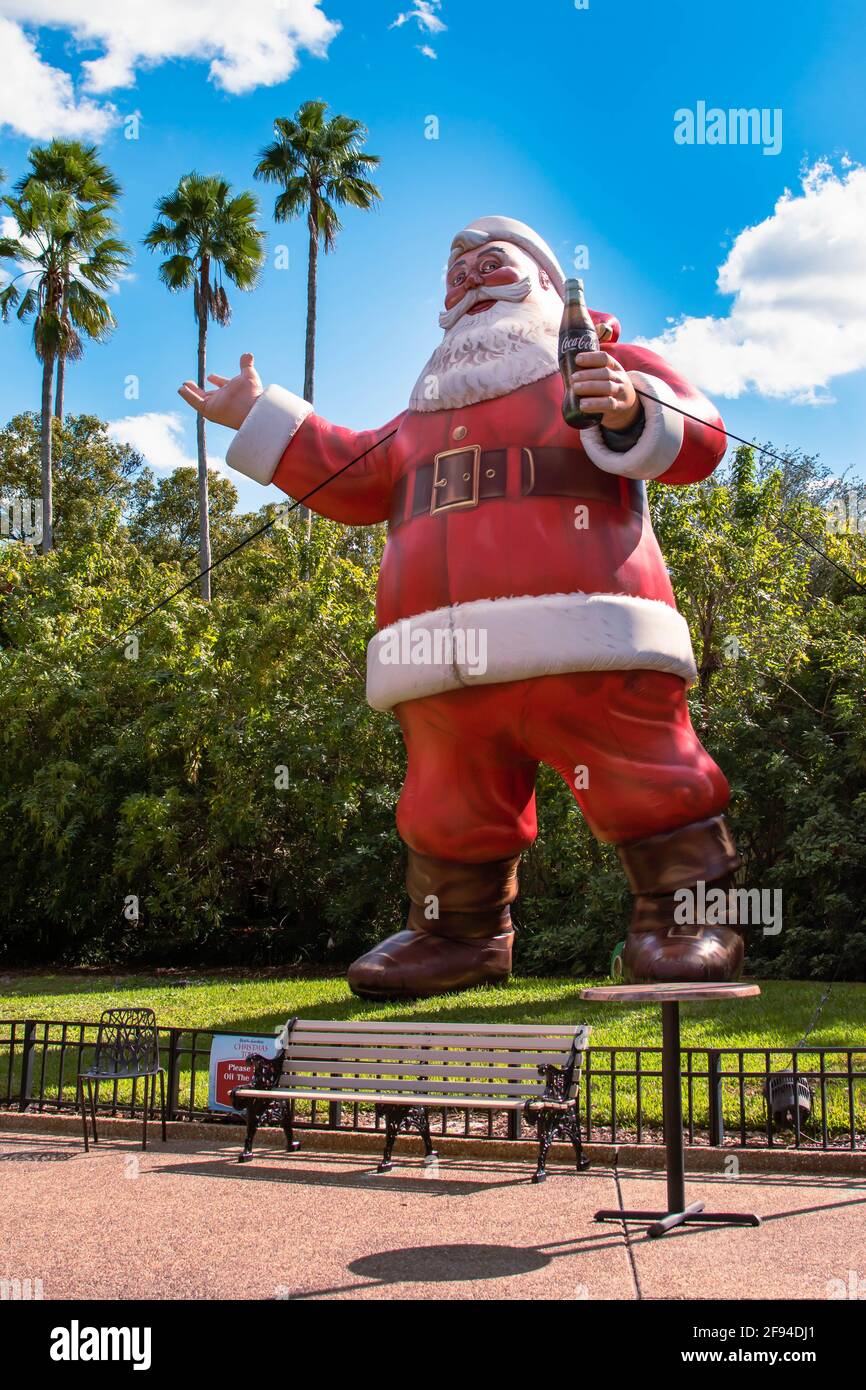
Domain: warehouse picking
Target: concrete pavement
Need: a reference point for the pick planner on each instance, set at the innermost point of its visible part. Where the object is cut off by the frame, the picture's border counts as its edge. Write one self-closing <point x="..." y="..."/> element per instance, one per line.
<point x="186" y="1221"/>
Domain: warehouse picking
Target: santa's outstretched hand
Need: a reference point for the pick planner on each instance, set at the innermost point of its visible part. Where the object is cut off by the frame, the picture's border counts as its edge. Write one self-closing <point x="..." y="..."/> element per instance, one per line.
<point x="606" y="389"/>
<point x="234" y="398"/>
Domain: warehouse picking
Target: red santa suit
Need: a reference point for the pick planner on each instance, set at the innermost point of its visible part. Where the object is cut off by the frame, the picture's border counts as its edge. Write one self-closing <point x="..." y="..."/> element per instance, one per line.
<point x="524" y="610"/>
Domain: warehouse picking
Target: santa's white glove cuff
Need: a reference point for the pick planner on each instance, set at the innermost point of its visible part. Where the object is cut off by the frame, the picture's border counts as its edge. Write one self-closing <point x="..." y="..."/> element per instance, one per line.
<point x="266" y="433"/>
<point x="660" y="442"/>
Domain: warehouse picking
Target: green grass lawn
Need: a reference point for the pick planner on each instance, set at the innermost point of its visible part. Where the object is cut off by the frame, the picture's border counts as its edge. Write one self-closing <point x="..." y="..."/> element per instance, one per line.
<point x="235" y="1003"/>
<point x="216" y="1000"/>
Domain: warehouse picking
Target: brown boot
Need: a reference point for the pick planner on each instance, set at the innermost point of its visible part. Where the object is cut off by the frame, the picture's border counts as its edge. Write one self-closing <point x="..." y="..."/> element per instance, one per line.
<point x="458" y="934"/>
<point x="658" y="950"/>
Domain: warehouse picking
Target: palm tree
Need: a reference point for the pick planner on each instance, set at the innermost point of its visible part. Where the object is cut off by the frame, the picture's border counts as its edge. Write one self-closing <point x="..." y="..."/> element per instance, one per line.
<point x="69" y="165"/>
<point x="320" y="166"/>
<point x="63" y="256"/>
<point x="209" y="234"/>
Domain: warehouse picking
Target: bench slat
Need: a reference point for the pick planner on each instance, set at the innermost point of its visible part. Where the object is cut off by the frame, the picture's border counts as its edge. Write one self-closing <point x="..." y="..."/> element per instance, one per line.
<point x="506" y="1042"/>
<point x="476" y="1029"/>
<point x="436" y="1102"/>
<point x="299" y="1066"/>
<point x="412" y="1052"/>
<point x="427" y="1084"/>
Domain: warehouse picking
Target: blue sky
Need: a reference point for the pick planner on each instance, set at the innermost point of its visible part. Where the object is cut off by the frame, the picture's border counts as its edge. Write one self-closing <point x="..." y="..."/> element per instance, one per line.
<point x="560" y="116"/>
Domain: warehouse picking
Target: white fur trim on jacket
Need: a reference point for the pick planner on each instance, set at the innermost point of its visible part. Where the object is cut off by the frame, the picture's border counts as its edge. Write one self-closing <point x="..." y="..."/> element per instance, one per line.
<point x="510" y="639"/>
<point x="266" y="433"/>
<point x="659" y="444"/>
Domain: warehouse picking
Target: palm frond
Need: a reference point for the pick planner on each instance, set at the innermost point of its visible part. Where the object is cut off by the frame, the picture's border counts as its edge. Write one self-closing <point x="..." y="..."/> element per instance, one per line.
<point x="9" y="297"/>
<point x="177" y="272"/>
<point x="203" y="223"/>
<point x="29" y="303"/>
<point x="292" y="201"/>
<point x="11" y="249"/>
<point x="356" y="192"/>
<point x="89" y="312"/>
<point x="319" y="162"/>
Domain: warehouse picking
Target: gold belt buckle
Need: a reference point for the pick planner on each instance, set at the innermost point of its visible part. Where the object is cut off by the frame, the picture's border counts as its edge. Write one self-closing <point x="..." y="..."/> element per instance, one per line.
<point x="438" y="483"/>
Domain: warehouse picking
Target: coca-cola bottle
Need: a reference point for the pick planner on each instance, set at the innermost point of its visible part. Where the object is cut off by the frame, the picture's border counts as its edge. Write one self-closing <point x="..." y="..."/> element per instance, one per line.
<point x="576" y="334"/>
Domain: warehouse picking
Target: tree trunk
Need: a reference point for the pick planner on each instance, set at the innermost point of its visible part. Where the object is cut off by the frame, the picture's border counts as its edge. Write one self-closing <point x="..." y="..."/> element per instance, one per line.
<point x="310" y="343"/>
<point x="47" y="474"/>
<point x="203" y="512"/>
<point x="61" y="383"/>
<point x="61" y="361"/>
<point x="707" y="664"/>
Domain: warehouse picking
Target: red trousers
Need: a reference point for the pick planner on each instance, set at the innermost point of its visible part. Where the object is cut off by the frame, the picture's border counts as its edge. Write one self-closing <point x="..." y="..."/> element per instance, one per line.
<point x="622" y="740"/>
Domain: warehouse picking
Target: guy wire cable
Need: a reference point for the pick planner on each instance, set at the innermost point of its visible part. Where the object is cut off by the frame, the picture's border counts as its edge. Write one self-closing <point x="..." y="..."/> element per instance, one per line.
<point x="246" y="540"/>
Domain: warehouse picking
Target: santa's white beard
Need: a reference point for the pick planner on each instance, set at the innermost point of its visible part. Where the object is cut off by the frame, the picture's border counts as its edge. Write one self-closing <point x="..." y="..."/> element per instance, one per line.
<point x="489" y="354"/>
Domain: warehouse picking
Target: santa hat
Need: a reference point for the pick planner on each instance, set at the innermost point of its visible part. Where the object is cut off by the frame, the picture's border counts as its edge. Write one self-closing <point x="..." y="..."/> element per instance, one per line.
<point x="509" y="229"/>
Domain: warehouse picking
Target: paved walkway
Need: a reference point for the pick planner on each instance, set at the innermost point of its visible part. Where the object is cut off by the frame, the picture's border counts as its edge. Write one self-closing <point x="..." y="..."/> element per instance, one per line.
<point x="186" y="1221"/>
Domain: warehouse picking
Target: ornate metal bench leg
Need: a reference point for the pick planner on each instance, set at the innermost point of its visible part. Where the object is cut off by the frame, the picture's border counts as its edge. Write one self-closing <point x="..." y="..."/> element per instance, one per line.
<point x="92" y="1108"/>
<point x="82" y="1103"/>
<point x="292" y="1144"/>
<point x="424" y="1130"/>
<point x="545" y="1139"/>
<point x="394" y="1117"/>
<point x="255" y="1110"/>
<point x="400" y="1119"/>
<point x="162" y="1101"/>
<point x="571" y="1126"/>
<point x="145" y="1080"/>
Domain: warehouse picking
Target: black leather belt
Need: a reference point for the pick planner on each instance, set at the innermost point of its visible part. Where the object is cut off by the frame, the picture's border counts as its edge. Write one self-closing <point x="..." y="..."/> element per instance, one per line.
<point x="458" y="479"/>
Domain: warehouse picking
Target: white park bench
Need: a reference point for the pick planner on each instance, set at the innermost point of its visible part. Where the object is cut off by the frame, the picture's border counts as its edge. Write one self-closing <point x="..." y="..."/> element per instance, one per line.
<point x="408" y="1069"/>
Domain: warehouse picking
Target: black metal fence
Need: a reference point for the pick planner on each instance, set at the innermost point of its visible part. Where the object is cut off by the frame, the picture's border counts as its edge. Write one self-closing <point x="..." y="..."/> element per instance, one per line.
<point x="724" y="1090"/>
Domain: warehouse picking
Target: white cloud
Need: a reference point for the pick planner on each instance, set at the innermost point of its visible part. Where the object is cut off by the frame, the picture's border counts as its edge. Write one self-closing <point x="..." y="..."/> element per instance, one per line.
<point x="160" y="438"/>
<point x="38" y="100"/>
<point x="247" y="46"/>
<point x="424" y="12"/>
<point x="8" y="269"/>
<point x="426" y="50"/>
<point x="798" y="317"/>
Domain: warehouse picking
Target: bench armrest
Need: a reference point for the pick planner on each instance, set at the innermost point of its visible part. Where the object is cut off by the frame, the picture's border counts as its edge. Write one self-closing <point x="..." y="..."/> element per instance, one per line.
<point x="560" y="1082"/>
<point x="267" y="1072"/>
<point x="557" y="1081"/>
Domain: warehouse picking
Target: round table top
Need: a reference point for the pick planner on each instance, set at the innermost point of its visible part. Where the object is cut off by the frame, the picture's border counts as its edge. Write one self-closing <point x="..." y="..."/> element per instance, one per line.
<point x="667" y="994"/>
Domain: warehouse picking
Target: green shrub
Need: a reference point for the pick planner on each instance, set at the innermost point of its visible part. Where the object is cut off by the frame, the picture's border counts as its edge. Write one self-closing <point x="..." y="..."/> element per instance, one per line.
<point x="154" y="777"/>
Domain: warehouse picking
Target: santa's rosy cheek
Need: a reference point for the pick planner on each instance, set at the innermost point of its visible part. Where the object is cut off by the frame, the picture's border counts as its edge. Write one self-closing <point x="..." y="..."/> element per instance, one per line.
<point x="503" y="275"/>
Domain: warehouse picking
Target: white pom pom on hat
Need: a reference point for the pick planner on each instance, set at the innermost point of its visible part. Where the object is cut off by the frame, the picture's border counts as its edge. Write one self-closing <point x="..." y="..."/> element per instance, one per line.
<point x="484" y="229"/>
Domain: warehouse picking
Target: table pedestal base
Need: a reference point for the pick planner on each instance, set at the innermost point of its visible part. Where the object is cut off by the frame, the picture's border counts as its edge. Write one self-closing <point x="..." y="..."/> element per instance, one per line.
<point x="669" y="996"/>
<point x="664" y="1221"/>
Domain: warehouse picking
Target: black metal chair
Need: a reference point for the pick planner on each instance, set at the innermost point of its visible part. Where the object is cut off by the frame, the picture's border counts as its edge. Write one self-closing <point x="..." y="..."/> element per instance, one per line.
<point x="127" y="1049"/>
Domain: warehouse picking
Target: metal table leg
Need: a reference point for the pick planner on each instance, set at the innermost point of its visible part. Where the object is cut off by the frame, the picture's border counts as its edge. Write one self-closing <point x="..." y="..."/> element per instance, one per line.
<point x="678" y="1213"/>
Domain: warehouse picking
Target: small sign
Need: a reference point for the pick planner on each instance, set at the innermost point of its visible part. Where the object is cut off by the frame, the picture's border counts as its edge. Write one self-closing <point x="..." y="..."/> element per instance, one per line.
<point x="229" y="1067"/>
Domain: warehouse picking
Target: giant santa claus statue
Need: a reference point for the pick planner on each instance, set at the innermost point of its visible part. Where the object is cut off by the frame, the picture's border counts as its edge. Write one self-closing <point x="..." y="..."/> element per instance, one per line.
<point x="524" y="614"/>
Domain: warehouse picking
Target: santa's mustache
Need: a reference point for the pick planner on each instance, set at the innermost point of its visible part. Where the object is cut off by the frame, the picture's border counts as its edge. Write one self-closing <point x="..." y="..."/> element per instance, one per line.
<point x="513" y="292"/>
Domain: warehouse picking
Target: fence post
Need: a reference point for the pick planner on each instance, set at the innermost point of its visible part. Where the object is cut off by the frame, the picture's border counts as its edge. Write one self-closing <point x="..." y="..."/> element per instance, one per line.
<point x="27" y="1063"/>
<point x="714" y="1085"/>
<point x="335" y="1114"/>
<point x="172" y="1101"/>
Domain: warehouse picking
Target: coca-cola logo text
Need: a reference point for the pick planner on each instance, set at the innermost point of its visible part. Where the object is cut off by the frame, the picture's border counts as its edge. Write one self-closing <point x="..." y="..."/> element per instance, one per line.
<point x="583" y="342"/>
